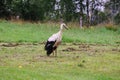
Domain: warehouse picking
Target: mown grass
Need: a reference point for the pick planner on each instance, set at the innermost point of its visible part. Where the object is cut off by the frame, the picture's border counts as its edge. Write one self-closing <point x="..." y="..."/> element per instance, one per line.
<point x="28" y="32"/>
<point x="84" y="62"/>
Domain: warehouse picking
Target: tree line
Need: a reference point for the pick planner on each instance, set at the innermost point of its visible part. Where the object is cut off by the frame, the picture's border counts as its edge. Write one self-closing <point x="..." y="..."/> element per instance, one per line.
<point x="87" y="12"/>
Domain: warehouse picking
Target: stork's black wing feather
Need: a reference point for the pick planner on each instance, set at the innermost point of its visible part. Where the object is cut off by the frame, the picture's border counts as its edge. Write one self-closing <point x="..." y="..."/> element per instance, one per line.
<point x="49" y="47"/>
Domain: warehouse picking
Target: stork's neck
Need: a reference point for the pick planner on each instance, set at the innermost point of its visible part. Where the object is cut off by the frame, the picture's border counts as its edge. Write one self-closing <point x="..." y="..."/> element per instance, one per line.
<point x="61" y="31"/>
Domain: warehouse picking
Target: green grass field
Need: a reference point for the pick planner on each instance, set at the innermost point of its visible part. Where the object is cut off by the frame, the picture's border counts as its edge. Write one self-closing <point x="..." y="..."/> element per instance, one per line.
<point x="85" y="54"/>
<point x="28" y="32"/>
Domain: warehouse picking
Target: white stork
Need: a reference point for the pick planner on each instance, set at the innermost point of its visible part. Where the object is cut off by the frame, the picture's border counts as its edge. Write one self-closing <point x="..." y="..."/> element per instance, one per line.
<point x="53" y="41"/>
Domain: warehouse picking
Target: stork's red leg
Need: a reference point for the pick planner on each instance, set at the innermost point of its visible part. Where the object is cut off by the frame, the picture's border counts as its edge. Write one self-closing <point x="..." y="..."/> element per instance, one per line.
<point x="56" y="52"/>
<point x="53" y="53"/>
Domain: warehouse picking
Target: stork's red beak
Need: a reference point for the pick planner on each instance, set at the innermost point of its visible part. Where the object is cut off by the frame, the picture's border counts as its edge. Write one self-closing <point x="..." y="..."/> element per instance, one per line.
<point x="66" y="27"/>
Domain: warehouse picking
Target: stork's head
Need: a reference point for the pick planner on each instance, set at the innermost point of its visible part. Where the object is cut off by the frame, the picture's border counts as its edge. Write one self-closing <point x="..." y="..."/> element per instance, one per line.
<point x="62" y="26"/>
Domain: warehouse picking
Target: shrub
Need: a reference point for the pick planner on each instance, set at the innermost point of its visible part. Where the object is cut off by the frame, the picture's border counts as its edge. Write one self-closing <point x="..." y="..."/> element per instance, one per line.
<point x="110" y="26"/>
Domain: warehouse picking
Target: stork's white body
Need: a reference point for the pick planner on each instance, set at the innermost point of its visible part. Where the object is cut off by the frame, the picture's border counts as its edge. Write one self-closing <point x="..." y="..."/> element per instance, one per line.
<point x="56" y="37"/>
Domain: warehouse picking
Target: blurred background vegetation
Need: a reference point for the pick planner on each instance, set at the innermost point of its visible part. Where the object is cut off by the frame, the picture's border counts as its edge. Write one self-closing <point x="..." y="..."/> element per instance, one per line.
<point x="85" y="12"/>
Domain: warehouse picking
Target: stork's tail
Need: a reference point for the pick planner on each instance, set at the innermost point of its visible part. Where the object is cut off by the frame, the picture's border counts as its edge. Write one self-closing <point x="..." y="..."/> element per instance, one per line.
<point x="49" y="52"/>
<point x="49" y="47"/>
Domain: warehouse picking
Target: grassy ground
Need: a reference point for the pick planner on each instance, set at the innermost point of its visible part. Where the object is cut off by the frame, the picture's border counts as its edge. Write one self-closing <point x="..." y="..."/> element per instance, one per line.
<point x="85" y="54"/>
<point x="27" y="32"/>
<point x="74" y="62"/>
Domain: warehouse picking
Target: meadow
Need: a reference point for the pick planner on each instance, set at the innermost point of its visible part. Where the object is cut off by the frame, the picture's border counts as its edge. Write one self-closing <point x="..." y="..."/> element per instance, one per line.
<point x="35" y="33"/>
<point x="85" y="54"/>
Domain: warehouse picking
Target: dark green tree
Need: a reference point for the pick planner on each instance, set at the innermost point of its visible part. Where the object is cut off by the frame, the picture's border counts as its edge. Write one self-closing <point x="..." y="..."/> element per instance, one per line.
<point x="67" y="9"/>
<point x="112" y="8"/>
<point x="48" y="8"/>
<point x="5" y="9"/>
